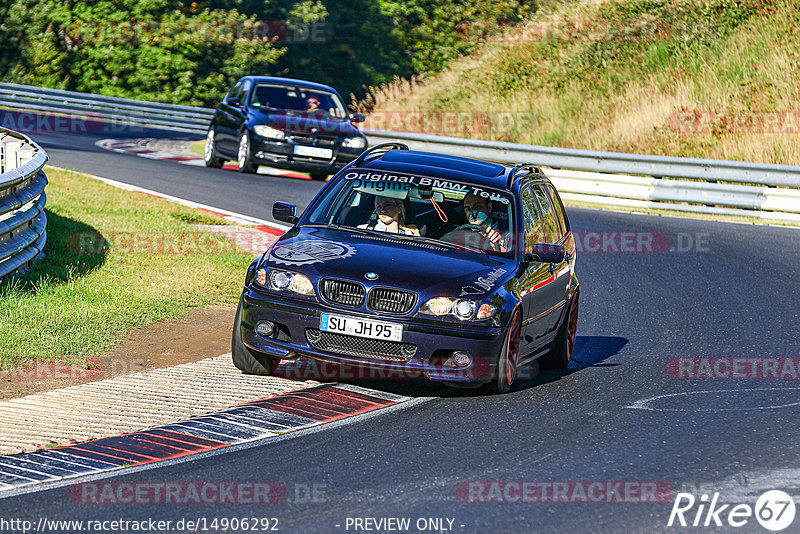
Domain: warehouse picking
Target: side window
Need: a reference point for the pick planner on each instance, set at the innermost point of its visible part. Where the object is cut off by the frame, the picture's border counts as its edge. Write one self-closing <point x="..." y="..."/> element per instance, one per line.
<point x="551" y="229"/>
<point x="244" y="91"/>
<point x="561" y="216"/>
<point x="534" y="232"/>
<point x="234" y="91"/>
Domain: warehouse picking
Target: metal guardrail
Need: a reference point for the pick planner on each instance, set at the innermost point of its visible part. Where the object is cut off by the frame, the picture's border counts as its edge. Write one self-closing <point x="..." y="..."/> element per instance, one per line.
<point x="616" y="179"/>
<point x="188" y="119"/>
<point x="766" y="191"/>
<point x="23" y="223"/>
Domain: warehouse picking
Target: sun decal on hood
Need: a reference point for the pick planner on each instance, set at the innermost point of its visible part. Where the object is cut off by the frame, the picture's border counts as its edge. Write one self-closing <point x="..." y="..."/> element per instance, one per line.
<point x="307" y="252"/>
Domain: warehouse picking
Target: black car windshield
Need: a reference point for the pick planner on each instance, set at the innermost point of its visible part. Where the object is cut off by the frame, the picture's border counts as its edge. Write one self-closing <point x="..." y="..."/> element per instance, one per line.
<point x="420" y="207"/>
<point x="298" y="99"/>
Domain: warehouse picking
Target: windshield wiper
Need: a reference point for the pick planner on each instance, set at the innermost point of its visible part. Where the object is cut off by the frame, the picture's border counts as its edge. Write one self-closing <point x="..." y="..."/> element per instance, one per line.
<point x="404" y="237"/>
<point x="433" y="241"/>
<point x="332" y="226"/>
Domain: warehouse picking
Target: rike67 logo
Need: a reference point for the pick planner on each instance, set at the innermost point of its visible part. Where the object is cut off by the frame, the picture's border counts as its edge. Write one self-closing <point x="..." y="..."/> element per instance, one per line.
<point x="774" y="510"/>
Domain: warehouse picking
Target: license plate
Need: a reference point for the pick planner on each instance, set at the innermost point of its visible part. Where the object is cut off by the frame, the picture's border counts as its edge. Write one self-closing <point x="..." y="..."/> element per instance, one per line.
<point x="352" y="326"/>
<point x="313" y="152"/>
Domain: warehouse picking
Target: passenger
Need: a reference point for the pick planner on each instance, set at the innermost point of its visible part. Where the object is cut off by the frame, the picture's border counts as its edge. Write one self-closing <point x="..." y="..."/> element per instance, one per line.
<point x="390" y="214"/>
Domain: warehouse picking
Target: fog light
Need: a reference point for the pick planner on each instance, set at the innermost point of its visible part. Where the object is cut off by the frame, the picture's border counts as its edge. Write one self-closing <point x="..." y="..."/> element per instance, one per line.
<point x="459" y="359"/>
<point x="265" y="328"/>
<point x="462" y="359"/>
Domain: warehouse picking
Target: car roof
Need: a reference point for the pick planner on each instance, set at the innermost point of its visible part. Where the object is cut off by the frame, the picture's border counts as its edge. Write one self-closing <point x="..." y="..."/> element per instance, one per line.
<point x="292" y="81"/>
<point x="443" y="166"/>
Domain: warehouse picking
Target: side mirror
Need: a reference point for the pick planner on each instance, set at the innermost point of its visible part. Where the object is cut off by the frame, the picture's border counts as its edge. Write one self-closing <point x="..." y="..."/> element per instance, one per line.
<point x="546" y="253"/>
<point x="234" y="101"/>
<point x="356" y="117"/>
<point x="283" y="211"/>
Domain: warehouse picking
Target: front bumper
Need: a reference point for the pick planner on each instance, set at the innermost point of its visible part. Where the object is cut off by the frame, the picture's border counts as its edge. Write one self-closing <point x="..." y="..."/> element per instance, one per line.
<point x="281" y="155"/>
<point x="434" y="343"/>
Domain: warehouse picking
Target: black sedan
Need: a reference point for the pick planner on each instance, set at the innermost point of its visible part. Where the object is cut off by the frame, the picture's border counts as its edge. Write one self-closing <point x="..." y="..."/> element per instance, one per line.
<point x="426" y="265"/>
<point x="286" y="124"/>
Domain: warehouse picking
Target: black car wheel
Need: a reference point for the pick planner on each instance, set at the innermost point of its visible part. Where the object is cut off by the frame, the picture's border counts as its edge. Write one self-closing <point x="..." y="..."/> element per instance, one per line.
<point x="243" y="358"/>
<point x="564" y="345"/>
<point x="243" y="163"/>
<point x="508" y="358"/>
<point x="211" y="156"/>
<point x="319" y="176"/>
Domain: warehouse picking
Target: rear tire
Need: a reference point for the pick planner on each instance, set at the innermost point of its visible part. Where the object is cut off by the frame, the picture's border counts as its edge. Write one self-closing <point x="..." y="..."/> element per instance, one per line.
<point x="243" y="162"/>
<point x="507" y="360"/>
<point x="210" y="154"/>
<point x="243" y="358"/>
<point x="564" y="345"/>
<point x="319" y="176"/>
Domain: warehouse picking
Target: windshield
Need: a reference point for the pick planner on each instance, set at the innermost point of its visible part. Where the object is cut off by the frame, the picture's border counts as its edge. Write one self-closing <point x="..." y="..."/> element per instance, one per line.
<point x="298" y="99"/>
<point x="419" y="207"/>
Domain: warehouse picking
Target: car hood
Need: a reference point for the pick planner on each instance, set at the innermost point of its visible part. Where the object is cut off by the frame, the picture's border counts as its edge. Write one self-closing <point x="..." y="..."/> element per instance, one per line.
<point x="425" y="268"/>
<point x="303" y="124"/>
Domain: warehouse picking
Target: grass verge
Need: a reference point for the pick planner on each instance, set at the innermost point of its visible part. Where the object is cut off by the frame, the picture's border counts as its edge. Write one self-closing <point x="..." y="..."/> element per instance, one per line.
<point x="198" y="147"/>
<point x="114" y="260"/>
<point x="714" y="79"/>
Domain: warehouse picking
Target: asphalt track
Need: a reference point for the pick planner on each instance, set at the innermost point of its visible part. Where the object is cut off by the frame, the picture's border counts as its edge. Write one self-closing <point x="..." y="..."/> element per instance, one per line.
<point x="733" y="293"/>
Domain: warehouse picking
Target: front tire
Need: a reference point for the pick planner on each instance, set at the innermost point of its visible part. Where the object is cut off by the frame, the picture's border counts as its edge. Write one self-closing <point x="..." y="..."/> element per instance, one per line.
<point x="243" y="162"/>
<point x="563" y="347"/>
<point x="210" y="154"/>
<point x="243" y="358"/>
<point x="508" y="358"/>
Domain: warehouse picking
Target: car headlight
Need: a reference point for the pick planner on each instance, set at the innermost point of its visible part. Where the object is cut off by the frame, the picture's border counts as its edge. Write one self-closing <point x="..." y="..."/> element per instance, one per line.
<point x="269" y="132"/>
<point x="294" y="282"/>
<point x="437" y="306"/>
<point x="355" y="142"/>
<point x="463" y="309"/>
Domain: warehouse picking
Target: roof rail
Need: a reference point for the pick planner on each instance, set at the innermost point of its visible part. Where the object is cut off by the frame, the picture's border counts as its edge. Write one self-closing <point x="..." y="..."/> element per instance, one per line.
<point x="386" y="147"/>
<point x="531" y="167"/>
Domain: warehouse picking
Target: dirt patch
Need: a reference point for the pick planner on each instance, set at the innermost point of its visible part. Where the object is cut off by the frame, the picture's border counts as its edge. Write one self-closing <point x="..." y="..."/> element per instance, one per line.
<point x="203" y="333"/>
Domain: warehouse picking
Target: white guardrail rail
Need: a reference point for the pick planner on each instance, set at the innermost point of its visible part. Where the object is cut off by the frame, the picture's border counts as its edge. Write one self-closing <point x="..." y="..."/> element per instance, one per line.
<point x="616" y="179"/>
<point x="23" y="221"/>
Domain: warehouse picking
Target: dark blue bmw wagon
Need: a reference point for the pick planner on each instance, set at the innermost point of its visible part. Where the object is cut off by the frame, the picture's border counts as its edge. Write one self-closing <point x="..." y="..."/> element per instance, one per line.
<point x="434" y="266"/>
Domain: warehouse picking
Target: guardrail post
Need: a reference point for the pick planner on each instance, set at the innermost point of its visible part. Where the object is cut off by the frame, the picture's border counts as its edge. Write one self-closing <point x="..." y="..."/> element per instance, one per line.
<point x="22" y="200"/>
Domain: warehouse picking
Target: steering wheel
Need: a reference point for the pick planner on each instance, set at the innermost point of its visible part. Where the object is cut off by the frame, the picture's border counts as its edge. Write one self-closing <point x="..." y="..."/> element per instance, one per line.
<point x="473" y="227"/>
<point x="459" y="236"/>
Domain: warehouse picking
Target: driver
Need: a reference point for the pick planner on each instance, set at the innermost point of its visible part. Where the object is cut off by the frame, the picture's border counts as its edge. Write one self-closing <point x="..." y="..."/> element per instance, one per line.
<point x="479" y="216"/>
<point x="390" y="214"/>
<point x="312" y="104"/>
